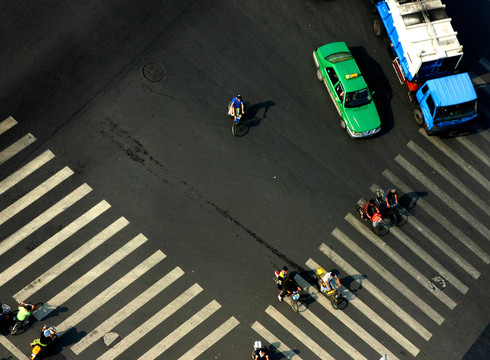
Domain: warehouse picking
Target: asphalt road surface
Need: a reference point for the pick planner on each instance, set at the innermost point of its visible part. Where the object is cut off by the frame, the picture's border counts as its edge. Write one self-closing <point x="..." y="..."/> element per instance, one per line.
<point x="144" y="221"/>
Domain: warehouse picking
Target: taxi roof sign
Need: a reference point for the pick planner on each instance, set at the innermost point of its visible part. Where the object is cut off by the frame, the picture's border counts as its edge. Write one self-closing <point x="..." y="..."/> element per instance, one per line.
<point x="351" y="76"/>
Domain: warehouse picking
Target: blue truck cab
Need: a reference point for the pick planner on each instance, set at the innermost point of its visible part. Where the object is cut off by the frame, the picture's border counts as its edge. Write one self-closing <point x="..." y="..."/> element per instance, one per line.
<point x="445" y="103"/>
<point x="426" y="54"/>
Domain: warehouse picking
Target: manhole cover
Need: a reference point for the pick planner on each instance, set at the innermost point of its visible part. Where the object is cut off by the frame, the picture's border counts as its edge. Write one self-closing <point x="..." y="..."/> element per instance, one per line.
<point x="153" y="72"/>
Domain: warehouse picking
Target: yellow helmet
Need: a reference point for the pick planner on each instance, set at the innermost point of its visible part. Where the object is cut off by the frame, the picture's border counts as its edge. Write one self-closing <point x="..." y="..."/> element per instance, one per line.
<point x="320" y="271"/>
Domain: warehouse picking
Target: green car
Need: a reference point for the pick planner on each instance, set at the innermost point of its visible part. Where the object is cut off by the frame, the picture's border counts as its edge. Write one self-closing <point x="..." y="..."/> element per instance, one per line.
<point x="339" y="72"/>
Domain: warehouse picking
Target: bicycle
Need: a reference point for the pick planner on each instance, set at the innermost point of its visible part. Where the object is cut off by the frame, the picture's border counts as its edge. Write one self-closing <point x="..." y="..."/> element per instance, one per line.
<point x="376" y="226"/>
<point x="333" y="295"/>
<point x="234" y="126"/>
<point x="294" y="298"/>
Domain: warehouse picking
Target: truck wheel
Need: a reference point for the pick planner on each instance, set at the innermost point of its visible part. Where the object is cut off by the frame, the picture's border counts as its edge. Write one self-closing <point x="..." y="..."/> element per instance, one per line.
<point x="418" y="116"/>
<point x="319" y="75"/>
<point x="378" y="27"/>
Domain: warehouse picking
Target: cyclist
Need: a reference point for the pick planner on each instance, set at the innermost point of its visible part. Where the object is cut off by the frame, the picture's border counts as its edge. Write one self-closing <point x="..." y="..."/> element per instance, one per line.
<point x="237" y="107"/>
<point x="391" y="198"/>
<point x="288" y="287"/>
<point x="331" y="281"/>
<point x="281" y="275"/>
<point x="372" y="212"/>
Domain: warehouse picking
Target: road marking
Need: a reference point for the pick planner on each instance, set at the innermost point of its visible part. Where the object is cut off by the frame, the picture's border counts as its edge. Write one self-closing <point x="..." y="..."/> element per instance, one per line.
<point x="450" y="153"/>
<point x="127" y="310"/>
<point x="44" y="218"/>
<point x="398" y="259"/>
<point x="332" y="335"/>
<point x="25" y="171"/>
<point x="90" y="276"/>
<point x="52" y="242"/>
<point x="298" y="333"/>
<point x="70" y="260"/>
<point x="7" y="124"/>
<point x="390" y="278"/>
<point x="35" y="194"/>
<point x="371" y="315"/>
<point x="344" y="319"/>
<point x="477" y="200"/>
<point x="181" y="331"/>
<point x="427" y="258"/>
<point x="482" y="229"/>
<point x="275" y="342"/>
<point x="458" y="234"/>
<point x="373" y="289"/>
<point x="216" y="335"/>
<point x="474" y="150"/>
<point x="151" y="323"/>
<point x="109" y="293"/>
<point x="11" y="347"/>
<point x="16" y="147"/>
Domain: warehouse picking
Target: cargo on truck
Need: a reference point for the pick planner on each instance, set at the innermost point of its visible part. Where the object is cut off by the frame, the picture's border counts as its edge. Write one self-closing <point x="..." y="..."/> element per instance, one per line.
<point x="426" y="56"/>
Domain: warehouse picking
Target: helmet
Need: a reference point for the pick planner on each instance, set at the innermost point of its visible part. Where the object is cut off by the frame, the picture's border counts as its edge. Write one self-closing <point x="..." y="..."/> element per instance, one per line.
<point x="320" y="271"/>
<point x="257" y="345"/>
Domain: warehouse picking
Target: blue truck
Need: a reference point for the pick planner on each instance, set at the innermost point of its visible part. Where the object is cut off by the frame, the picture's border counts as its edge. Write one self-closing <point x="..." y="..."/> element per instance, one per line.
<point x="426" y="55"/>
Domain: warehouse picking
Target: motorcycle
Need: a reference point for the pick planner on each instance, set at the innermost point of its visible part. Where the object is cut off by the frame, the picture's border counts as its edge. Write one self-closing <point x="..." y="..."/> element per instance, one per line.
<point x="39" y="345"/>
<point x="20" y="323"/>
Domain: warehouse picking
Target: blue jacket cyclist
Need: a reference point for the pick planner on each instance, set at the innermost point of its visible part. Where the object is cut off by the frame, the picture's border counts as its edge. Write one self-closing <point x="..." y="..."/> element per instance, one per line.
<point x="236" y="106"/>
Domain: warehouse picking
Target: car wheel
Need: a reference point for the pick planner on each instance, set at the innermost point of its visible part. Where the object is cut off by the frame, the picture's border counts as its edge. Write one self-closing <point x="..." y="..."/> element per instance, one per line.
<point x="418" y="116"/>
<point x="319" y="75"/>
<point x="378" y="27"/>
<point x="343" y="125"/>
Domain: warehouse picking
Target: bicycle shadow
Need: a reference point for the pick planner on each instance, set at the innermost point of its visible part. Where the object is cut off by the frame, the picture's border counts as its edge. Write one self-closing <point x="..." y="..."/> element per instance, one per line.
<point x="254" y="114"/>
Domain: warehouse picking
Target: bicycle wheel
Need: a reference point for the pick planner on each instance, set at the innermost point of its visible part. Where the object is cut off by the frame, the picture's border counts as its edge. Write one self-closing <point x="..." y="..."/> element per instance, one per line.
<point x="392" y="217"/>
<point x="334" y="301"/>
<point x="376" y="229"/>
<point x="234" y="128"/>
<point x="15" y="328"/>
<point x="295" y="305"/>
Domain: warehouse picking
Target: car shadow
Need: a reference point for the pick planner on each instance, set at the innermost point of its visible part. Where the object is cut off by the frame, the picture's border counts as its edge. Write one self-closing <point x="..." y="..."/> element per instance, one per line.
<point x="377" y="83"/>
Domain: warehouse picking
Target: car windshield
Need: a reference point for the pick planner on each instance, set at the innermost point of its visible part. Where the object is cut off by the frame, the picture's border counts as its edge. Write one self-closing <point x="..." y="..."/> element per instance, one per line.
<point x="357" y="98"/>
<point x="454" y="112"/>
<point x="338" y="57"/>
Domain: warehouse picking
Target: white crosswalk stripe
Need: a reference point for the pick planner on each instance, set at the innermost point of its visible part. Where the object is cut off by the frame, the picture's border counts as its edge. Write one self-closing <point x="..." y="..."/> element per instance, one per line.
<point x="109" y="293"/>
<point x="25" y="171"/>
<point x="400" y="260"/>
<point x="44" y="218"/>
<point x="444" y="197"/>
<point x="459" y="235"/>
<point x="344" y="318"/>
<point x="16" y="147"/>
<point x="70" y="260"/>
<point x="35" y="194"/>
<point x="7" y="124"/>
<point x="89" y="277"/>
<point x="373" y="289"/>
<point x="151" y="323"/>
<point x="181" y="331"/>
<point x="298" y="333"/>
<point x="52" y="242"/>
<point x="373" y="316"/>
<point x="127" y="310"/>
<point x="454" y="156"/>
<point x="278" y="344"/>
<point x="211" y="339"/>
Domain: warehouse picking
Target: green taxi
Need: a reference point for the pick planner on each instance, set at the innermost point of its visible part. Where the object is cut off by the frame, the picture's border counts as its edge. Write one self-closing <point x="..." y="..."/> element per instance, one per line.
<point x="339" y="72"/>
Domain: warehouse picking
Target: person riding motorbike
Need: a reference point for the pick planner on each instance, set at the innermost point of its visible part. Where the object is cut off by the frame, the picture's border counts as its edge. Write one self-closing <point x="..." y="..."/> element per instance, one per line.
<point x="24" y="311"/>
<point x="261" y="354"/>
<point x="48" y="335"/>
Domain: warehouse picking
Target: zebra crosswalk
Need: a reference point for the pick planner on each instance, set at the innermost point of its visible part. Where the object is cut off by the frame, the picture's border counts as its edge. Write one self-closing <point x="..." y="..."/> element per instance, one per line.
<point x="395" y="305"/>
<point x="91" y="259"/>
